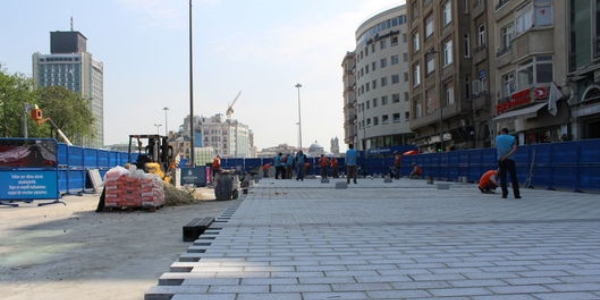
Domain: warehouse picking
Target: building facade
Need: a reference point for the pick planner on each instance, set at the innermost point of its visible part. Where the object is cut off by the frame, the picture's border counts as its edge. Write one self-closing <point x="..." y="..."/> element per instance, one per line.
<point x="227" y="137"/>
<point x="349" y="96"/>
<point x="528" y="69"/>
<point x="443" y="114"/>
<point x="380" y="85"/>
<point x="582" y="84"/>
<point x="70" y="66"/>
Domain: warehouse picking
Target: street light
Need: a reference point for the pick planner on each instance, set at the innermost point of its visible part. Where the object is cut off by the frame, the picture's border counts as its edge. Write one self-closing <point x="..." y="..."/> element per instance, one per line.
<point x="191" y="77"/>
<point x="158" y="128"/>
<point x="298" y="86"/>
<point x="166" y="109"/>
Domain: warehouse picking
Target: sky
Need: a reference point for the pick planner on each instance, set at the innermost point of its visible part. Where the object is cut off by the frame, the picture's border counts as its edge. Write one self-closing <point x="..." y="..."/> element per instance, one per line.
<point x="261" y="48"/>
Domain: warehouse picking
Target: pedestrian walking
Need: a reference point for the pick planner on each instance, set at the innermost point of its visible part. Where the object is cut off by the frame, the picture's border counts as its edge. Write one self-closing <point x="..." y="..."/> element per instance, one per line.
<point x="506" y="146"/>
<point x="351" y="158"/>
<point x="216" y="167"/>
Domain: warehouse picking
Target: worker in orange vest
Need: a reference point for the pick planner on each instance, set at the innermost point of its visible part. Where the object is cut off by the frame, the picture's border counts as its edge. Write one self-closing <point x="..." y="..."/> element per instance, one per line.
<point x="323" y="163"/>
<point x="216" y="167"/>
<point x="333" y="163"/>
<point x="488" y="182"/>
<point x="416" y="172"/>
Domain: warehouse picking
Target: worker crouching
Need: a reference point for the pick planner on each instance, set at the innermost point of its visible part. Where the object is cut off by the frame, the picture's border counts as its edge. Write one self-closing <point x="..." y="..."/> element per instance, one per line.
<point x="488" y="182"/>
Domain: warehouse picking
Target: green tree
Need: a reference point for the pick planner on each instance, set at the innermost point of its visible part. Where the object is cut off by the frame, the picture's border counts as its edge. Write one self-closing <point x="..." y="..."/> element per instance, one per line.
<point x="69" y="111"/>
<point x="15" y="91"/>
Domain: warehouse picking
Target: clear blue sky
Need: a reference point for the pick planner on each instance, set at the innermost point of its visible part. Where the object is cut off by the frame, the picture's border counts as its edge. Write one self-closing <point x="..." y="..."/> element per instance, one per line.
<point x="260" y="47"/>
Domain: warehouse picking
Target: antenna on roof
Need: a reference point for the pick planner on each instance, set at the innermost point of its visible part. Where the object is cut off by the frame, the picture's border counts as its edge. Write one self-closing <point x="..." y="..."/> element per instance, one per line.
<point x="71" y="23"/>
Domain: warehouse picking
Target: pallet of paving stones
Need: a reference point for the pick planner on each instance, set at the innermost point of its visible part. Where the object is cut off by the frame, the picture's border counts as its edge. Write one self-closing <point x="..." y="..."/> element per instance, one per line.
<point x="130" y="208"/>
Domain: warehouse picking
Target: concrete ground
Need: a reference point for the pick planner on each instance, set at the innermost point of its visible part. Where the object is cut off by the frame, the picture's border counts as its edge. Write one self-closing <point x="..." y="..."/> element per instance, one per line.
<point x="72" y="252"/>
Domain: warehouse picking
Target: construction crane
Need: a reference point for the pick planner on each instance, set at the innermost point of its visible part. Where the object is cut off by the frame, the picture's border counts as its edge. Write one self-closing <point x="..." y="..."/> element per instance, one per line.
<point x="229" y="111"/>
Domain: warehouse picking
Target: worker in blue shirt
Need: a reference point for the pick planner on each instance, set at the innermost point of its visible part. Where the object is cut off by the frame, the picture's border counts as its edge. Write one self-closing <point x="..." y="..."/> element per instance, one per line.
<point x="506" y="146"/>
<point x="351" y="157"/>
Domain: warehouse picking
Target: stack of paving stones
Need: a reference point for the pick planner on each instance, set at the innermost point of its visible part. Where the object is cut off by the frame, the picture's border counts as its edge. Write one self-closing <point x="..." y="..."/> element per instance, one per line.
<point x="400" y="240"/>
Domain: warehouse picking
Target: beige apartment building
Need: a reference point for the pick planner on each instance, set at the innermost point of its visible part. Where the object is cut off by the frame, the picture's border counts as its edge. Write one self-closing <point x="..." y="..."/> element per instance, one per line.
<point x="376" y="108"/>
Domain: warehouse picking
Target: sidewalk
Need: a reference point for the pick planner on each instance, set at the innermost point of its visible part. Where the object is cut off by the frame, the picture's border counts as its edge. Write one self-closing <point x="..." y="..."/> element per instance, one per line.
<point x="401" y="240"/>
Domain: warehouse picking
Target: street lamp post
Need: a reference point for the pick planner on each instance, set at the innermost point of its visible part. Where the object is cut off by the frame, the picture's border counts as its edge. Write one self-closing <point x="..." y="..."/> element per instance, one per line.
<point x="192" y="162"/>
<point x="166" y="109"/>
<point x="158" y="128"/>
<point x="298" y="86"/>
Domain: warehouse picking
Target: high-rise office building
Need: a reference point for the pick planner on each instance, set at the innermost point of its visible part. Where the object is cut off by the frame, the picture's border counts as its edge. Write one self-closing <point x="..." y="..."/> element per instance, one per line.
<point x="70" y="65"/>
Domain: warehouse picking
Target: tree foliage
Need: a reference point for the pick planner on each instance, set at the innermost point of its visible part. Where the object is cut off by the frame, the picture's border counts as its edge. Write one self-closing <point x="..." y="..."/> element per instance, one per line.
<point x="69" y="111"/>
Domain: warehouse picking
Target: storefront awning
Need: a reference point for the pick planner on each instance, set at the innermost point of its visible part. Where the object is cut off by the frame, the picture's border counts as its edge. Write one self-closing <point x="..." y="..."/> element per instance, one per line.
<point x="523" y="113"/>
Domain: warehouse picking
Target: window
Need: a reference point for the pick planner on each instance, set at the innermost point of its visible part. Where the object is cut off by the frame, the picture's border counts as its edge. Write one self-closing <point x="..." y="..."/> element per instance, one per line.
<point x="394" y="40"/>
<point x="506" y="36"/>
<point x="384" y="100"/>
<point x="373" y="66"/>
<point x="467" y="45"/>
<point x="385" y="119"/>
<point x="429" y="63"/>
<point x="536" y="70"/>
<point x="405" y="57"/>
<point x="416" y="42"/>
<point x="383" y="63"/>
<point x="375" y="102"/>
<point x="375" y="121"/>
<point x="418" y="108"/>
<point x="481" y="36"/>
<point x="406" y="115"/>
<point x="383" y="81"/>
<point x="374" y="83"/>
<point x="416" y="74"/>
<point x="395" y="79"/>
<point x="394" y="59"/>
<point x="447" y="53"/>
<point x="405" y="76"/>
<point x="508" y="84"/>
<point x="536" y="15"/>
<point x="382" y="44"/>
<point x="428" y="26"/>
<point x="396" y="117"/>
<point x="446" y="13"/>
<point x="406" y="96"/>
<point x="449" y="91"/>
<point x="395" y="98"/>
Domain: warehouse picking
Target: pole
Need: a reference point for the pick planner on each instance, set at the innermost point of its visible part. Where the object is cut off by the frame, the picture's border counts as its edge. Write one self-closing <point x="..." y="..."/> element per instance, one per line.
<point x="191" y="75"/>
<point x="158" y="128"/>
<point x="299" y="119"/>
<point x="166" y="109"/>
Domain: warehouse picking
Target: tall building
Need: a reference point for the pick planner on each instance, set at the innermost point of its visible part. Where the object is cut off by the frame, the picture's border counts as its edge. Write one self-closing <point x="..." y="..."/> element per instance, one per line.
<point x="380" y="83"/>
<point x="582" y="82"/>
<point x="71" y="66"/>
<point x="227" y="137"/>
<point x="441" y="66"/>
<point x="349" y="95"/>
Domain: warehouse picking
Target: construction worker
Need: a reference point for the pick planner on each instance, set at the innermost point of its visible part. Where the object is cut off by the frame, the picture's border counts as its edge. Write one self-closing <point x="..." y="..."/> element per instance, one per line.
<point x="333" y="163"/>
<point x="323" y="163"/>
<point x="265" y="168"/>
<point x="216" y="167"/>
<point x="488" y="182"/>
<point x="416" y="171"/>
<point x="395" y="169"/>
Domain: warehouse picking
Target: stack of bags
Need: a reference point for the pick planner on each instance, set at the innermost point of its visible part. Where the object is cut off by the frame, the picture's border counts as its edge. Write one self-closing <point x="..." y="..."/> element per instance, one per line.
<point x="132" y="188"/>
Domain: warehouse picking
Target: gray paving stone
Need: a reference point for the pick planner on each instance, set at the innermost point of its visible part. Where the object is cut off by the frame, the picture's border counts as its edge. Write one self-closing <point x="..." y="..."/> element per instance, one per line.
<point x="404" y="239"/>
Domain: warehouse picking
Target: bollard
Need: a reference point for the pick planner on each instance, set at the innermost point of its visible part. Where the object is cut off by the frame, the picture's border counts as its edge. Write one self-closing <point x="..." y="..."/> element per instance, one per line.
<point x="341" y="185"/>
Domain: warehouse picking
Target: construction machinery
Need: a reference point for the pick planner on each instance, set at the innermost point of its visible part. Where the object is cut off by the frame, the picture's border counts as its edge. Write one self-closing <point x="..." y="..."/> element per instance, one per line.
<point x="151" y="153"/>
<point x="229" y="111"/>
